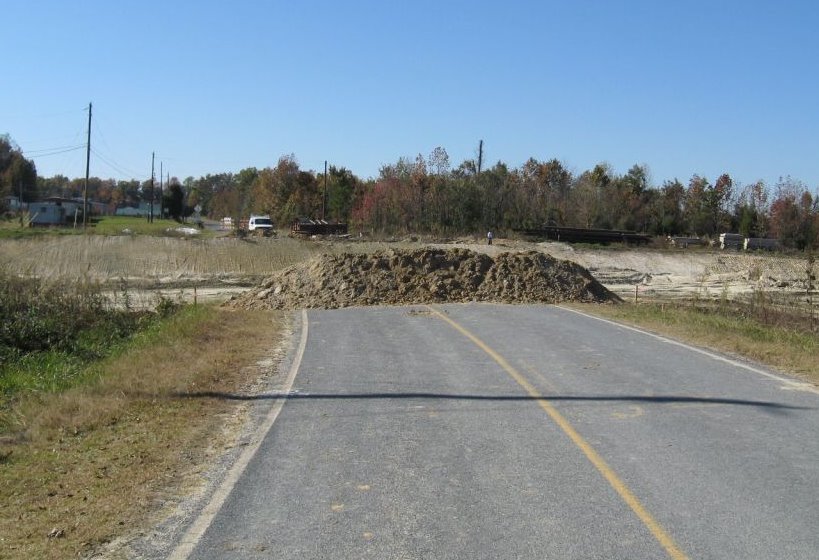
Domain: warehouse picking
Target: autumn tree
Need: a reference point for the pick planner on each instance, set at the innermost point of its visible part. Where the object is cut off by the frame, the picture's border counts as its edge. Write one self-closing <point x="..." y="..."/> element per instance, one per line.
<point x="244" y="181"/>
<point x="342" y="186"/>
<point x="58" y="185"/>
<point x="624" y="199"/>
<point x="438" y="162"/>
<point x="493" y="194"/>
<point x="549" y="183"/>
<point x="793" y="215"/>
<point x="719" y="202"/>
<point x="751" y="210"/>
<point x="17" y="174"/>
<point x="421" y="181"/>
<point x="285" y="192"/>
<point x="127" y="193"/>
<point x="585" y="203"/>
<point x="671" y="219"/>
<point x="230" y="194"/>
<point x="706" y="204"/>
<point x="201" y="192"/>
<point x="225" y="201"/>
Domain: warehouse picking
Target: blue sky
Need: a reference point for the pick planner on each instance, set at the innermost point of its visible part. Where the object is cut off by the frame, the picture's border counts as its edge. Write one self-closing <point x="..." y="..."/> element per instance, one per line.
<point x="702" y="87"/>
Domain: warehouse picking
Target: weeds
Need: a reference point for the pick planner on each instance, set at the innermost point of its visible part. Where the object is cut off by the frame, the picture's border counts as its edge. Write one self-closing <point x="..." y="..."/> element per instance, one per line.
<point x="51" y="331"/>
<point x="810" y="280"/>
<point x="146" y="261"/>
<point x="95" y="460"/>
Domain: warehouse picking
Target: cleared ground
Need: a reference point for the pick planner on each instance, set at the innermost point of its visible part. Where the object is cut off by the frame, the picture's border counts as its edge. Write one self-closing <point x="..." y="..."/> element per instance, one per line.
<point x="221" y="267"/>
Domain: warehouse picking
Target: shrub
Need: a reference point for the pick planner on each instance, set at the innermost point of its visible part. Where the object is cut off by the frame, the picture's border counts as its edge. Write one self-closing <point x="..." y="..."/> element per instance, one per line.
<point x="52" y="330"/>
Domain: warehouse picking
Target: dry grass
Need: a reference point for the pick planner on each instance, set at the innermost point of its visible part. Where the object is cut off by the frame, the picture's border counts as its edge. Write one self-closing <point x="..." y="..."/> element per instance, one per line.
<point x="783" y="347"/>
<point x="145" y="260"/>
<point x="94" y="462"/>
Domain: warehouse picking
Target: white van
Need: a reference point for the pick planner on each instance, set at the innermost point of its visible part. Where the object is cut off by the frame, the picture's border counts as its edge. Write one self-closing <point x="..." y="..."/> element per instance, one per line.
<point x="260" y="223"/>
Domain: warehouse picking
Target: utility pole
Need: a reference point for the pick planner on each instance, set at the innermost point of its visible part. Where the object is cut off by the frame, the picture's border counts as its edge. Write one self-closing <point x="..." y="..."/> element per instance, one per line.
<point x="324" y="198"/>
<point x="480" y="156"/>
<point x="151" y="201"/>
<point x="20" y="202"/>
<point x="87" y="168"/>
<point x="161" y="178"/>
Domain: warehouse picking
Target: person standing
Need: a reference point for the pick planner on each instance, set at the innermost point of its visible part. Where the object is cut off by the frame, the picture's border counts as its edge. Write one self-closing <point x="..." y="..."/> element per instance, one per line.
<point x="489" y="237"/>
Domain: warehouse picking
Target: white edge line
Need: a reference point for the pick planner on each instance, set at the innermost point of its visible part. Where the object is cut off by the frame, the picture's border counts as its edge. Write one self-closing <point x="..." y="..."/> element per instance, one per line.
<point x="195" y="532"/>
<point x="802" y="386"/>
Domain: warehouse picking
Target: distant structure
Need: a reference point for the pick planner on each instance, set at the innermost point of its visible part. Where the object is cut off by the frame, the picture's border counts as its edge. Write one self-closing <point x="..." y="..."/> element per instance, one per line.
<point x="731" y="240"/>
<point x="761" y="243"/>
<point x="55" y="211"/>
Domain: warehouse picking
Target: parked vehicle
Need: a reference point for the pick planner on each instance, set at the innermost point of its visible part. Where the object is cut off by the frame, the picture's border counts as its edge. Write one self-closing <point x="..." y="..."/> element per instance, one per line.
<point x="258" y="224"/>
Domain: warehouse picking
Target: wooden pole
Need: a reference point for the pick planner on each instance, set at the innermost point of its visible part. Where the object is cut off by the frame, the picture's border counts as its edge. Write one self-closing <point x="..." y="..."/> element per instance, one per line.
<point x="161" y="178"/>
<point x="151" y="202"/>
<point x="87" y="169"/>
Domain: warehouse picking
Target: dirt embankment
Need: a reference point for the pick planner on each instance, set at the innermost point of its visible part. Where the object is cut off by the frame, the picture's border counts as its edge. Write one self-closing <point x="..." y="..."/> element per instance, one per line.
<point x="428" y="275"/>
<point x="680" y="273"/>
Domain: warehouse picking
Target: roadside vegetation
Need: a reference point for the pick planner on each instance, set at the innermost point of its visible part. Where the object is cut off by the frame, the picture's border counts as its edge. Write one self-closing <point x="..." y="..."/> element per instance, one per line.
<point x="97" y="427"/>
<point x="127" y="225"/>
<point x="10" y="228"/>
<point x="52" y="331"/>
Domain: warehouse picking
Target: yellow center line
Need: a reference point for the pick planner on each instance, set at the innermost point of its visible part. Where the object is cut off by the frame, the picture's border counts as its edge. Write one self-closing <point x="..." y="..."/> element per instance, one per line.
<point x="618" y="485"/>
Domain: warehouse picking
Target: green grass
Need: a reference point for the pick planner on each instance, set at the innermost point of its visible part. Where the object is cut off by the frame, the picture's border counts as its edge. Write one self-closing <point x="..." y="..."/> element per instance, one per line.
<point x="53" y="335"/>
<point x="103" y="225"/>
<point x="122" y="225"/>
<point x="10" y="229"/>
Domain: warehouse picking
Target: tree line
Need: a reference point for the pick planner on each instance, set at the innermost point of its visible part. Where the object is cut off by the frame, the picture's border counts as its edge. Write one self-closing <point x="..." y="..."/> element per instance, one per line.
<point x="428" y="195"/>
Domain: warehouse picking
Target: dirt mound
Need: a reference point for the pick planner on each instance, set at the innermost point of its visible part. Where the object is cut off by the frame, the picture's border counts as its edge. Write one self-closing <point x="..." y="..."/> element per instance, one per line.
<point x="397" y="277"/>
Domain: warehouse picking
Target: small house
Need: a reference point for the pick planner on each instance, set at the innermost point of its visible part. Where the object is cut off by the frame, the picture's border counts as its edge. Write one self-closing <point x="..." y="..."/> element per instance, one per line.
<point x="55" y="212"/>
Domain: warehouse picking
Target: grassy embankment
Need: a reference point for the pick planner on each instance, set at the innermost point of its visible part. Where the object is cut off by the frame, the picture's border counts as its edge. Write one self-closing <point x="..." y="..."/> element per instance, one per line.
<point x="95" y="427"/>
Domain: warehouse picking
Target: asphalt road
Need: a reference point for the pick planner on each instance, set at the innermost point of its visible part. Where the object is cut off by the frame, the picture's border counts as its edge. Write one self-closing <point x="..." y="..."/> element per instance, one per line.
<point x="489" y="431"/>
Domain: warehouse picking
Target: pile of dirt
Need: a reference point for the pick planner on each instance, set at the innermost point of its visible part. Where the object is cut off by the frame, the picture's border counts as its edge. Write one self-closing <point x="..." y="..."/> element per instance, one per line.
<point x="396" y="277"/>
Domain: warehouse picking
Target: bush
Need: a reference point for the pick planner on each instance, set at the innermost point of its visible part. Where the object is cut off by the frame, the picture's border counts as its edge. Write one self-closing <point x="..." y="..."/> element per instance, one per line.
<point x="57" y="326"/>
<point x="39" y="316"/>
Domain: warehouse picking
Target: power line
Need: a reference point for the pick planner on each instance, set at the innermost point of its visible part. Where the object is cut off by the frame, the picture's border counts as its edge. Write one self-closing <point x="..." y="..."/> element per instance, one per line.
<point x="113" y="164"/>
<point x="100" y="134"/>
<point x="53" y="151"/>
<point x="110" y="160"/>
